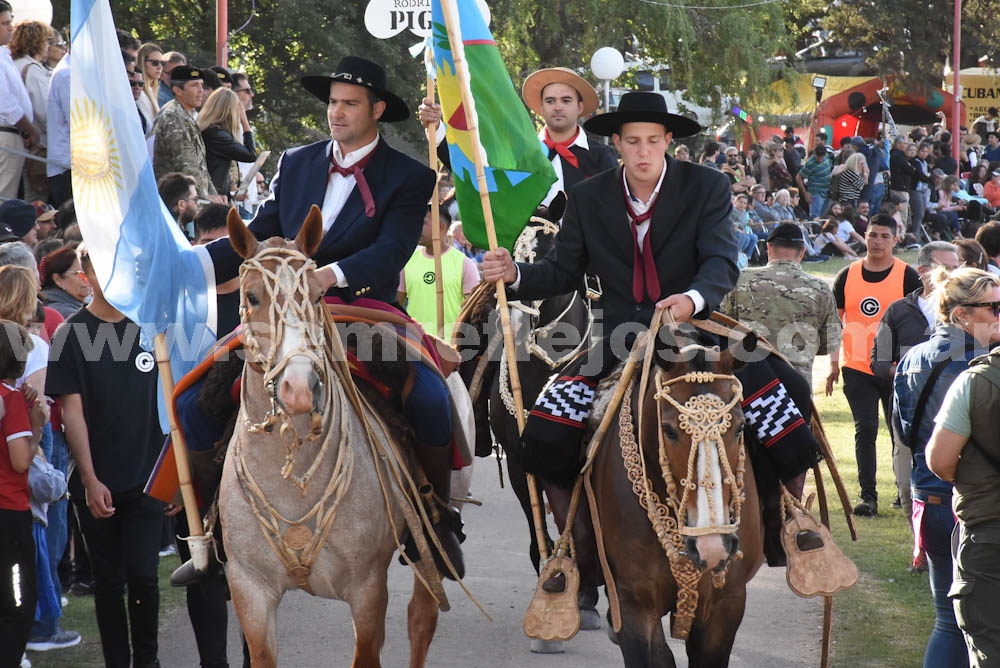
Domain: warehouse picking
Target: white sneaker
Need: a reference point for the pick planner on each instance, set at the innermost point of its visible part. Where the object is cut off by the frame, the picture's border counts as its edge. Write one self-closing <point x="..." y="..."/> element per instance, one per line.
<point x="57" y="640"/>
<point x="25" y="662"/>
<point x="168" y="551"/>
<point x="64" y="601"/>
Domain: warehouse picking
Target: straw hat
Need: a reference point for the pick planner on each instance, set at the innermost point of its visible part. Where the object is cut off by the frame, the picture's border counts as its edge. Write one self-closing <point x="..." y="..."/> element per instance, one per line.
<point x="531" y="91"/>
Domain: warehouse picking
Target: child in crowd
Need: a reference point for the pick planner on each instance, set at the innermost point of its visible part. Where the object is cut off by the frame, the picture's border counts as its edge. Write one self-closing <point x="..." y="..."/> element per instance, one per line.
<point x="46" y="485"/>
<point x="21" y="427"/>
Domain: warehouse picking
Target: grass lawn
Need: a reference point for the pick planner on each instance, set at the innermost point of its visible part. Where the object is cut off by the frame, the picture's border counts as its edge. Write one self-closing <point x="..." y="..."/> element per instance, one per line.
<point x="886" y="619"/>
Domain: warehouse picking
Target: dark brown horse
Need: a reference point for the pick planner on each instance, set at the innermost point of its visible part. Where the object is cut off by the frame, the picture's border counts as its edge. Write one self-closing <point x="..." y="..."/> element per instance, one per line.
<point x="678" y="510"/>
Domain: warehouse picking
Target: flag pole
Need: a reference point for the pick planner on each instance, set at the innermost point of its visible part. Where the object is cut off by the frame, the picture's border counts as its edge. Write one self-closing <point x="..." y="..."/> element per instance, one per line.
<point x="197" y="541"/>
<point x="461" y="70"/>
<point x="431" y="129"/>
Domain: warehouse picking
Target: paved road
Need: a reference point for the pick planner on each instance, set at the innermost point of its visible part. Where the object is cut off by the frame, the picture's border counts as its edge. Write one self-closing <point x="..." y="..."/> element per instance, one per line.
<point x="781" y="630"/>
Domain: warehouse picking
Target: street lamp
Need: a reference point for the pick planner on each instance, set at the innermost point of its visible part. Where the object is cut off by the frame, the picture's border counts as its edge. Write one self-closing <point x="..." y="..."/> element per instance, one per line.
<point x="607" y="64"/>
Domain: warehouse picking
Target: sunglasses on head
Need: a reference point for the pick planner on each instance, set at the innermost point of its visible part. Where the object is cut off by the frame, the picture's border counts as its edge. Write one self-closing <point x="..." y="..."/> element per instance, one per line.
<point x="993" y="305"/>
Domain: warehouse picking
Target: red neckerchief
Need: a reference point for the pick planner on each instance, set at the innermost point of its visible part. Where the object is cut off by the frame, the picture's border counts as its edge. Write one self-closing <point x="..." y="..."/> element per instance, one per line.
<point x="645" y="279"/>
<point x="357" y="170"/>
<point x="562" y="147"/>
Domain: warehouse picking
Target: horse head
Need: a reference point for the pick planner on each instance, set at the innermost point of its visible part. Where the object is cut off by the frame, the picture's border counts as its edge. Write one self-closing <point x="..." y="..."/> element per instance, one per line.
<point x="699" y="433"/>
<point x="282" y="311"/>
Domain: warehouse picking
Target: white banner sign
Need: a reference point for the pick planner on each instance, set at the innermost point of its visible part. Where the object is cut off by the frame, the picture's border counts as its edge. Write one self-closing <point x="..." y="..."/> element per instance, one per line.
<point x="388" y="18"/>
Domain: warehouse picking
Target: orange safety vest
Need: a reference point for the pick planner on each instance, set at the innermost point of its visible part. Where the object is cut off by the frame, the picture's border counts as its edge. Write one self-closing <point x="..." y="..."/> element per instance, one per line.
<point x="864" y="305"/>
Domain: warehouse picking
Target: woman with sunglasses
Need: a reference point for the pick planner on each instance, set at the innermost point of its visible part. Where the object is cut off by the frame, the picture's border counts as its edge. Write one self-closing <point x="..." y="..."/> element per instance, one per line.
<point x="150" y="64"/>
<point x="927" y="379"/>
<point x="64" y="286"/>
<point x="58" y="48"/>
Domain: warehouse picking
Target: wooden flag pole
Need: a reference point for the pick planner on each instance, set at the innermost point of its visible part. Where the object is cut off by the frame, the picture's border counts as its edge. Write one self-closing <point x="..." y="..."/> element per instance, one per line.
<point x="198" y="542"/>
<point x="431" y="130"/>
<point x="461" y="71"/>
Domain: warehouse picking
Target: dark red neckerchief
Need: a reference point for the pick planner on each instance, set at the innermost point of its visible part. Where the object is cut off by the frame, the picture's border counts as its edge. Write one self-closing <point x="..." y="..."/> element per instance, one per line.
<point x="357" y="170"/>
<point x="645" y="279"/>
<point x="562" y="147"/>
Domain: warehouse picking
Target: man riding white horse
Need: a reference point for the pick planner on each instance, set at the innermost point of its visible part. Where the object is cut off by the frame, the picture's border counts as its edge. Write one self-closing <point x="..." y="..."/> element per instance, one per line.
<point x="373" y="200"/>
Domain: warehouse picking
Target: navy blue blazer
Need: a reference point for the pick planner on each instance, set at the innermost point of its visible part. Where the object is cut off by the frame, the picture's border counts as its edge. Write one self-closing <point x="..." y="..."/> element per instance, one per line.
<point x="692" y="240"/>
<point x="370" y="251"/>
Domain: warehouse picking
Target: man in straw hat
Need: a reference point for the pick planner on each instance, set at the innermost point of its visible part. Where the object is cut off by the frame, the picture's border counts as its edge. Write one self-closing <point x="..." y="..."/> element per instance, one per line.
<point x="373" y="200"/>
<point x="561" y="97"/>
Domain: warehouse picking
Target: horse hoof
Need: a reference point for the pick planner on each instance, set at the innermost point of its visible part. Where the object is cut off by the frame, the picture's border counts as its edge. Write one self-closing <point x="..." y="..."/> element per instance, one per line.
<point x="590" y="619"/>
<point x="539" y="646"/>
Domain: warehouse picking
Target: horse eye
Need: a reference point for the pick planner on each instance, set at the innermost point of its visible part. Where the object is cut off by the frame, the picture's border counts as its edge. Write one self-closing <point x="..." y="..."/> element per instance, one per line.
<point x="252" y="299"/>
<point x="670" y="432"/>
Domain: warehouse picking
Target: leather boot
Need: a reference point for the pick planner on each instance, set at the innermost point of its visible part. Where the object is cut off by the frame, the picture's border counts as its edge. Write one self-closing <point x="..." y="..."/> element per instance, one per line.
<point x="436" y="464"/>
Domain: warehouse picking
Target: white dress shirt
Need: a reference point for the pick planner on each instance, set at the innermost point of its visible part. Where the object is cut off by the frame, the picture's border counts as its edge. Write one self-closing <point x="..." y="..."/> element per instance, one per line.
<point x="560" y="184"/>
<point x="14" y="101"/>
<point x="338" y="189"/>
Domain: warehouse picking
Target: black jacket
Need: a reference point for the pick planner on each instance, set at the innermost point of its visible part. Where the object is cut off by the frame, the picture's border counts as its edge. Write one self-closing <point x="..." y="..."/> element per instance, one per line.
<point x="900" y="171"/>
<point x="902" y="327"/>
<point x="220" y="151"/>
<point x="692" y="240"/>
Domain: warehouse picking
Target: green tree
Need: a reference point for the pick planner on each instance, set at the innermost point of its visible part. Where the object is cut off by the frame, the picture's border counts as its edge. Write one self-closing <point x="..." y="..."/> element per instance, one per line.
<point x="711" y="53"/>
<point x="915" y="38"/>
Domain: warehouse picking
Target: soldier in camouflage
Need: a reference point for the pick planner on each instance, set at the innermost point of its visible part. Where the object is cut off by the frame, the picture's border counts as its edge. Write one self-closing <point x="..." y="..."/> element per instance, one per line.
<point x="179" y="146"/>
<point x="790" y="308"/>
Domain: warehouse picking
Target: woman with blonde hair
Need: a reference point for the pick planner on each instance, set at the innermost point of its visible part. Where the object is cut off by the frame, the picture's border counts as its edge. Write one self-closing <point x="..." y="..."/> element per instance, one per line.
<point x="852" y="175"/>
<point x="18" y="302"/>
<point x="150" y="64"/>
<point x="29" y="48"/>
<point x="221" y="120"/>
<point x="939" y="409"/>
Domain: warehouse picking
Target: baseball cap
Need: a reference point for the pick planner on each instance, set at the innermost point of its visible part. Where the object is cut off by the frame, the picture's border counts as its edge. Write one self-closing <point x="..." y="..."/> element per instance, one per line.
<point x="7" y="234"/>
<point x="18" y="215"/>
<point x="787" y="232"/>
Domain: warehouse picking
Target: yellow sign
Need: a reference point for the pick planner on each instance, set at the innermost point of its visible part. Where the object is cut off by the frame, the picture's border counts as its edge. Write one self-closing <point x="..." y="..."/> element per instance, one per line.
<point x="980" y="90"/>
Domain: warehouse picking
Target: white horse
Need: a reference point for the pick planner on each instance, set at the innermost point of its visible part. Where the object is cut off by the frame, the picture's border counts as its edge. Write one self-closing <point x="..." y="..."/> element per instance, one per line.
<point x="311" y="469"/>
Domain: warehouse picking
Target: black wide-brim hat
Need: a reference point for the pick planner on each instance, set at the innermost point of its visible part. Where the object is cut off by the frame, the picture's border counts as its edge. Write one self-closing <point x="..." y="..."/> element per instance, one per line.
<point x="642" y="107"/>
<point x="364" y="73"/>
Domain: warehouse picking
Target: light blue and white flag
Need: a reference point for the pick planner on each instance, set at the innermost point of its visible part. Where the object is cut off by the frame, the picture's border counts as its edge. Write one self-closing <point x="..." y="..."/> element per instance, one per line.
<point x="145" y="265"/>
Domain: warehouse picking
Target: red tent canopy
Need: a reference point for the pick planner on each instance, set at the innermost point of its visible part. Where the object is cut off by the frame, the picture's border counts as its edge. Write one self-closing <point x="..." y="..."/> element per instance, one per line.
<point x="858" y="110"/>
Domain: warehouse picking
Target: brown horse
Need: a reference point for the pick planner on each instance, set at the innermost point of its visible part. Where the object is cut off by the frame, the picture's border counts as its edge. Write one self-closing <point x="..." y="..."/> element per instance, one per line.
<point x="310" y="468"/>
<point x="678" y="509"/>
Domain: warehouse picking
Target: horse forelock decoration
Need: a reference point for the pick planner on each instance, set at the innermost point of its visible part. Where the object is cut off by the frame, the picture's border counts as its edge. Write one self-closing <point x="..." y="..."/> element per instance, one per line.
<point x="673" y="484"/>
<point x="310" y="467"/>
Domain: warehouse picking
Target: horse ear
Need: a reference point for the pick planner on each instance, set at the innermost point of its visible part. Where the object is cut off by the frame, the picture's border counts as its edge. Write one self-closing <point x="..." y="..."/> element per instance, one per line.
<point x="666" y="348"/>
<point x="557" y="207"/>
<point x="741" y="351"/>
<point x="311" y="234"/>
<point x="240" y="236"/>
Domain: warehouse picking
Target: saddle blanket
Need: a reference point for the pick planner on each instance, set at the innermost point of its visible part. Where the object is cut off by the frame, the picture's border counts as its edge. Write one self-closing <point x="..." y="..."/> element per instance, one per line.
<point x="777" y="405"/>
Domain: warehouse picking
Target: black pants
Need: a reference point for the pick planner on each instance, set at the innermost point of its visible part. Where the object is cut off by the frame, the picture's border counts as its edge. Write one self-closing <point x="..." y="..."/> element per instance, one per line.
<point x="18" y="584"/>
<point x="124" y="553"/>
<point x="863" y="392"/>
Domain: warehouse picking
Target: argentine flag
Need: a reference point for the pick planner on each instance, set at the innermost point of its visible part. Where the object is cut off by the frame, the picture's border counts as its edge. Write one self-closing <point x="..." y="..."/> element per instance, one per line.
<point x="145" y="265"/>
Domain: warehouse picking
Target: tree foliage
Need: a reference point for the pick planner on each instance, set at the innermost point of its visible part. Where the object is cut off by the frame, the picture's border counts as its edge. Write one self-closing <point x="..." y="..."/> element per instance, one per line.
<point x="711" y="53"/>
<point x="915" y="38"/>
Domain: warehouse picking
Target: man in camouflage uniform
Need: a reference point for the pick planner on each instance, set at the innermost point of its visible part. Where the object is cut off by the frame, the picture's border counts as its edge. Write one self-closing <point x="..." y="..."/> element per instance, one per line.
<point x="793" y="310"/>
<point x="179" y="146"/>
